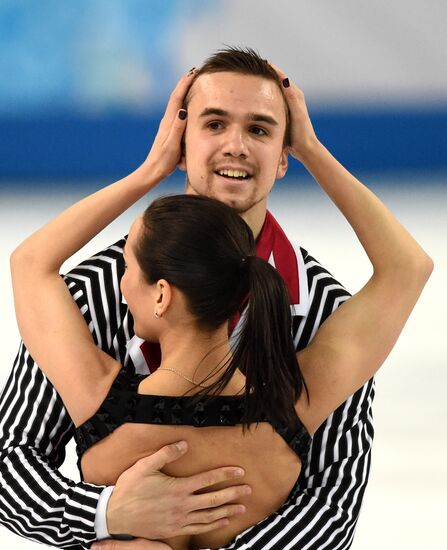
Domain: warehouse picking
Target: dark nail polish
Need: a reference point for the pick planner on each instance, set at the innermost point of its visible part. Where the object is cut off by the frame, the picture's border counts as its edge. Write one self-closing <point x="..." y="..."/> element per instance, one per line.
<point x="286" y="83"/>
<point x="182" y="114"/>
<point x="190" y="72"/>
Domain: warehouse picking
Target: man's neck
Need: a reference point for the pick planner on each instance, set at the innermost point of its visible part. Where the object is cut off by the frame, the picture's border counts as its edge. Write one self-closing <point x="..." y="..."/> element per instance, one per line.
<point x="255" y="219"/>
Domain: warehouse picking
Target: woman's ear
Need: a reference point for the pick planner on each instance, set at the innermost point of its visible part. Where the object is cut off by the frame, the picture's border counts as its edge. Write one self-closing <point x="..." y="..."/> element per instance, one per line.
<point x="163" y="297"/>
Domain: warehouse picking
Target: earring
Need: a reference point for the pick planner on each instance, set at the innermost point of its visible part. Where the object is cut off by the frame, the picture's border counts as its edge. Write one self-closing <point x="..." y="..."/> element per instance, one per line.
<point x="157" y="315"/>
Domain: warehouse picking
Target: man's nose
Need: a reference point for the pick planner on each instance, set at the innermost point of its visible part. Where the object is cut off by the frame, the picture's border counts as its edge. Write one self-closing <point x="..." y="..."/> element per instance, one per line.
<point x="235" y="144"/>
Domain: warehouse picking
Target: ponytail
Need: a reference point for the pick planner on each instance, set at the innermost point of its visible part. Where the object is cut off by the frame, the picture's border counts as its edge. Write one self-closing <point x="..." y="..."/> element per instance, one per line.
<point x="265" y="351"/>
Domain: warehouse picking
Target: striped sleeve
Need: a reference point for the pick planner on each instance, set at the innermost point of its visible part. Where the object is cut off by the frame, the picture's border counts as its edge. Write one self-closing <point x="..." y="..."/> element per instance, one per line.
<point x="36" y="501"/>
<point x="323" y="509"/>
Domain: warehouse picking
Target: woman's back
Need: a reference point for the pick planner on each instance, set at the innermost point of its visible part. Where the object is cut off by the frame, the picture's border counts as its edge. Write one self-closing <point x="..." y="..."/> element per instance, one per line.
<point x="271" y="466"/>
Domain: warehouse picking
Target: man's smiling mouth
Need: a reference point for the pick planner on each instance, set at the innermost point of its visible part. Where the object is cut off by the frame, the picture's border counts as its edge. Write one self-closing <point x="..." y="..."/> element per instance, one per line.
<point x="235" y="175"/>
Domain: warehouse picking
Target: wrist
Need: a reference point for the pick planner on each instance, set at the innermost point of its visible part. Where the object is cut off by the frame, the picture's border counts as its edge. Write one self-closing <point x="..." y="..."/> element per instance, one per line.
<point x="101" y="527"/>
<point x="149" y="174"/>
<point x="311" y="152"/>
<point x="114" y="516"/>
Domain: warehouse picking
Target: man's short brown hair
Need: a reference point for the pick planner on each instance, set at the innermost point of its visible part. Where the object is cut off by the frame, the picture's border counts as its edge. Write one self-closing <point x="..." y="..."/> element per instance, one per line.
<point x="243" y="61"/>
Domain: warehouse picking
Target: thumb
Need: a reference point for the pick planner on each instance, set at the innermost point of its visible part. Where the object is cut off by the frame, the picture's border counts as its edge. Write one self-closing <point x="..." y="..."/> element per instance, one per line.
<point x="164" y="456"/>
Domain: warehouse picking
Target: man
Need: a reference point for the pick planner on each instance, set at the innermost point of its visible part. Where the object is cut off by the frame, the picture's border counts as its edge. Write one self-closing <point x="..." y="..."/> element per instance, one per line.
<point x="243" y="119"/>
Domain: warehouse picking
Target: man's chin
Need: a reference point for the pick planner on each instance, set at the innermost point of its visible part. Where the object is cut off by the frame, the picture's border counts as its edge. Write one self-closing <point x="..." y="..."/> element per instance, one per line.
<point x="241" y="205"/>
<point x="236" y="204"/>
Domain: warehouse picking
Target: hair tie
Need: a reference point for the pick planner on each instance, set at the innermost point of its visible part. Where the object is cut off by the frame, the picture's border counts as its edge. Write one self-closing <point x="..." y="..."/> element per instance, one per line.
<point x="244" y="260"/>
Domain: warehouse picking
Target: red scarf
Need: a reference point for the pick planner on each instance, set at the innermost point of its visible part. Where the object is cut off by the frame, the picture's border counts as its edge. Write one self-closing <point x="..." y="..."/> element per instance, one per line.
<point x="272" y="245"/>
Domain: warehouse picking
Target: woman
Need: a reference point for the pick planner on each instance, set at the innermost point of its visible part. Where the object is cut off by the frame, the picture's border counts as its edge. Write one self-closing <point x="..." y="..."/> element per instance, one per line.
<point x="190" y="267"/>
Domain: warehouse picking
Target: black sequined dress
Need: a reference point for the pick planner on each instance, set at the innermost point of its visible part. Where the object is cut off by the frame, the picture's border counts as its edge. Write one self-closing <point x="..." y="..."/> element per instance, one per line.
<point x="124" y="405"/>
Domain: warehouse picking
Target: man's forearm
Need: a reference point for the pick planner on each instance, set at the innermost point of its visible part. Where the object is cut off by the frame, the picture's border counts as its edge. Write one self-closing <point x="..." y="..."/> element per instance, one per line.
<point x="36" y="501"/>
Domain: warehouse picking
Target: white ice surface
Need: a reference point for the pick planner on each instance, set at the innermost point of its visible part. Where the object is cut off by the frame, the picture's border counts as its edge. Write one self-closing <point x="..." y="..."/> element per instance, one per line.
<point x="405" y="503"/>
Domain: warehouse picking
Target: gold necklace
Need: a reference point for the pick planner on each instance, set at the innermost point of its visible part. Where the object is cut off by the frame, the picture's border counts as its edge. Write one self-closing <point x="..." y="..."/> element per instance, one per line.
<point x="182" y="376"/>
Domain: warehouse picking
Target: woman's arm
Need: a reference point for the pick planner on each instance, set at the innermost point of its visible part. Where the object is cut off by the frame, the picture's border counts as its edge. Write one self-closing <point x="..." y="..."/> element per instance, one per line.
<point x="50" y="323"/>
<point x="355" y="340"/>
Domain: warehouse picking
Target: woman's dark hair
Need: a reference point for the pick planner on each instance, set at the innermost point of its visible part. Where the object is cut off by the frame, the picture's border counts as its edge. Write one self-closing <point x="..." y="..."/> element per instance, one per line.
<point x="206" y="250"/>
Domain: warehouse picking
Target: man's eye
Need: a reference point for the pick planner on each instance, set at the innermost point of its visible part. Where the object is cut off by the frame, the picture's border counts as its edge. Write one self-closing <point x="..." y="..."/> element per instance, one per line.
<point x="215" y="125"/>
<point x="258" y="131"/>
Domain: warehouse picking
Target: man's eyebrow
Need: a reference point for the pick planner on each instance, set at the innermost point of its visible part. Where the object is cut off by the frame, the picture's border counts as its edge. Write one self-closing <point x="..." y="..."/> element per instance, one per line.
<point x="263" y="118"/>
<point x="213" y="111"/>
<point x="255" y="117"/>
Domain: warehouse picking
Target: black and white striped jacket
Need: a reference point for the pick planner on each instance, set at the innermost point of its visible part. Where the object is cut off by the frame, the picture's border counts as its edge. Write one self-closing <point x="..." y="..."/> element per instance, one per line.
<point x="38" y="503"/>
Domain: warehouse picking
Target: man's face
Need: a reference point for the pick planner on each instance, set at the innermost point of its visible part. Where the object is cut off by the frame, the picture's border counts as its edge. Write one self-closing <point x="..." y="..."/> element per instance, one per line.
<point x="235" y="123"/>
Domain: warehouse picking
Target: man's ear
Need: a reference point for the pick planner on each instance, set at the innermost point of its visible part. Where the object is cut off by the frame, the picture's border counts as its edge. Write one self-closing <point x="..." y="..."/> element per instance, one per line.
<point x="283" y="163"/>
<point x="182" y="162"/>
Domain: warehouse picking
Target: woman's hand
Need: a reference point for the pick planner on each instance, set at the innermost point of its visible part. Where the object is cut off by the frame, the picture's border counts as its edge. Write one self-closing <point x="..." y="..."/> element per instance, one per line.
<point x="303" y="137"/>
<point x="166" y="151"/>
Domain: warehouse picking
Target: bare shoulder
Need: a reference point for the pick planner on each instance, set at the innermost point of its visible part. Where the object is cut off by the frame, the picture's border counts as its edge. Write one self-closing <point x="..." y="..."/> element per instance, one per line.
<point x="84" y="389"/>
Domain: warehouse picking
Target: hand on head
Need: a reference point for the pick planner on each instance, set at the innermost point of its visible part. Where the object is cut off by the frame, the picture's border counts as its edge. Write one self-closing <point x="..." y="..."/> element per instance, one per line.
<point x="303" y="136"/>
<point x="166" y="151"/>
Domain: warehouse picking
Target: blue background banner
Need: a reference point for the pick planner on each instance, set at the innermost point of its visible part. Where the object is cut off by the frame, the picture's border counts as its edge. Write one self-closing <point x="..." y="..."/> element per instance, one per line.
<point x="76" y="147"/>
<point x="84" y="82"/>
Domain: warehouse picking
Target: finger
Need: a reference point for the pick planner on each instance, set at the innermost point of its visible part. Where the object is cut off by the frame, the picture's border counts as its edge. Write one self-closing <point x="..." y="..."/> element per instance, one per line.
<point x="199" y="528"/>
<point x="278" y="71"/>
<point x="144" y="544"/>
<point x="178" y="94"/>
<point x="292" y="92"/>
<point x="219" y="498"/>
<point x="288" y="86"/>
<point x="136" y="544"/>
<point x="177" y="129"/>
<point x="207" y="479"/>
<point x="210" y="516"/>
<point x="108" y="545"/>
<point x="164" y="456"/>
